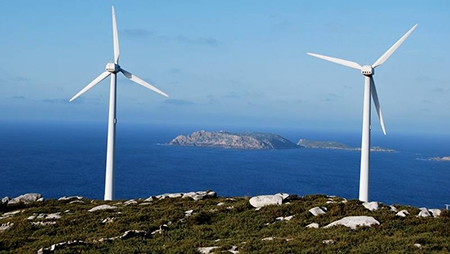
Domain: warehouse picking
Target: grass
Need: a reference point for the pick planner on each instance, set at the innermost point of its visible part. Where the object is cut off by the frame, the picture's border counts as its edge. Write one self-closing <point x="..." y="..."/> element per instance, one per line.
<point x="235" y="223"/>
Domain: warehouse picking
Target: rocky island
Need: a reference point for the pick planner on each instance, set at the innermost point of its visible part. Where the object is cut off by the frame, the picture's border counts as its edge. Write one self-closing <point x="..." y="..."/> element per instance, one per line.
<point x="305" y="143"/>
<point x="445" y="158"/>
<point x="223" y="139"/>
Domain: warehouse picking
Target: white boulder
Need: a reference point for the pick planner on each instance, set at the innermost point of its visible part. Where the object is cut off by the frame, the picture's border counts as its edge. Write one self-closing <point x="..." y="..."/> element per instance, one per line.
<point x="424" y="212"/>
<point x="316" y="211"/>
<point x="402" y="213"/>
<point x="355" y="221"/>
<point x="102" y="207"/>
<point x="371" y="206"/>
<point x="435" y="212"/>
<point x="65" y="198"/>
<point x="206" y="250"/>
<point x="393" y="209"/>
<point x="313" y="225"/>
<point x="265" y="200"/>
<point x="26" y="198"/>
<point x="5" y="226"/>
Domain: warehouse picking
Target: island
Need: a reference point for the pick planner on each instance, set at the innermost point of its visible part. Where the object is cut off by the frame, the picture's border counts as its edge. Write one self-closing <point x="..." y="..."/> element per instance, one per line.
<point x="445" y="158"/>
<point x="305" y="143"/>
<point x="224" y="139"/>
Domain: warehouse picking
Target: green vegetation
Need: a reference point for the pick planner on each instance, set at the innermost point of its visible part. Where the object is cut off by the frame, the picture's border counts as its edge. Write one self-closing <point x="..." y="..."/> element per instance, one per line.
<point x="234" y="222"/>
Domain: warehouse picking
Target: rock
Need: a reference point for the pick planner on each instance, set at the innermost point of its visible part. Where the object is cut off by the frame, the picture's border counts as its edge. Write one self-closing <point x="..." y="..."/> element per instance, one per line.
<point x="5" y="226"/>
<point x="199" y="195"/>
<point x="233" y="249"/>
<point x="268" y="239"/>
<point x="188" y="213"/>
<point x="393" y="209"/>
<point x="418" y="245"/>
<point x="130" y="202"/>
<point x="26" y="199"/>
<point x="59" y="246"/>
<point x="195" y="195"/>
<point x="402" y="213"/>
<point x="4" y="201"/>
<point x="134" y="233"/>
<point x="76" y="202"/>
<point x="372" y="206"/>
<point x="316" y="211"/>
<point x="43" y="223"/>
<point x="284" y="218"/>
<point x="65" y="198"/>
<point x="265" y="200"/>
<point x="206" y="250"/>
<point x="424" y="212"/>
<point x="149" y="199"/>
<point x="435" y="212"/>
<point x="52" y="216"/>
<point x="354" y="221"/>
<point x="313" y="225"/>
<point x="169" y="195"/>
<point x="108" y="220"/>
<point x="284" y="196"/>
<point x="102" y="207"/>
<point x="45" y="216"/>
<point x="328" y="242"/>
<point x="10" y="214"/>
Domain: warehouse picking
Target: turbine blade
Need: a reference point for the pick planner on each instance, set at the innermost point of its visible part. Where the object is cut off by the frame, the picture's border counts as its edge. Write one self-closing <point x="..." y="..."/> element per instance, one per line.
<point x="377" y="104"/>
<point x="141" y="82"/>
<point x="394" y="47"/>
<point x="92" y="84"/>
<point x="338" y="61"/>
<point x="115" y="37"/>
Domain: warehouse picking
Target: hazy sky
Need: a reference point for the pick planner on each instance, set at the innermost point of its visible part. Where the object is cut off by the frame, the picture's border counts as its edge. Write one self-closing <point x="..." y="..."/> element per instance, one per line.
<point x="227" y="63"/>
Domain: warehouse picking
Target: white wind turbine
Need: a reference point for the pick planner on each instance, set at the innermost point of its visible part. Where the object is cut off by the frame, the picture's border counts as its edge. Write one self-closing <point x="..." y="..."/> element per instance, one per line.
<point x="112" y="69"/>
<point x="369" y="89"/>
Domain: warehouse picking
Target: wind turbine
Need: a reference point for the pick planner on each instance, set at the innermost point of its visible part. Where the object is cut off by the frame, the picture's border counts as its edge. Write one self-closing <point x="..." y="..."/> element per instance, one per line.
<point x="111" y="70"/>
<point x="369" y="89"/>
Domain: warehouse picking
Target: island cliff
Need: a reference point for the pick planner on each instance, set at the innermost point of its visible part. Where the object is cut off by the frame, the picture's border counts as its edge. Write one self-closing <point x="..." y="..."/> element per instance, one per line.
<point x="245" y="140"/>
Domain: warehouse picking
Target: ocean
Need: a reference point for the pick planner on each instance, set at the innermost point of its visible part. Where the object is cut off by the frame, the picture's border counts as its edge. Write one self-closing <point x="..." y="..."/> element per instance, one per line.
<point x="64" y="160"/>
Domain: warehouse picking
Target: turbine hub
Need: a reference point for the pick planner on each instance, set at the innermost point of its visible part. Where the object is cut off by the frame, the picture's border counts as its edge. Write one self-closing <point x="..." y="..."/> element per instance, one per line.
<point x="112" y="67"/>
<point x="367" y="70"/>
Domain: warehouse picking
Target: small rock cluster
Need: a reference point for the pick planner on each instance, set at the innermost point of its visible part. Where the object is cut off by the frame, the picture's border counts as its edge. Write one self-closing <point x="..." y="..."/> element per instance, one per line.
<point x="195" y="195"/>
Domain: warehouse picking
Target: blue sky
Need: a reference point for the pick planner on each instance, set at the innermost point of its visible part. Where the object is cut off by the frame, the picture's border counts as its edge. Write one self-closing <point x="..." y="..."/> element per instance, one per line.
<point x="227" y="63"/>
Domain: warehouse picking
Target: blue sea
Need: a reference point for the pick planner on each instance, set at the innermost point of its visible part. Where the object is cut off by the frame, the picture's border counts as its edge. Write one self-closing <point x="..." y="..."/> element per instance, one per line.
<point x="63" y="160"/>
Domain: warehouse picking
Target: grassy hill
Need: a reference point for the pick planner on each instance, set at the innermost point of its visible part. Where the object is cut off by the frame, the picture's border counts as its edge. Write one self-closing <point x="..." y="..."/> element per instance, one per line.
<point x="182" y="225"/>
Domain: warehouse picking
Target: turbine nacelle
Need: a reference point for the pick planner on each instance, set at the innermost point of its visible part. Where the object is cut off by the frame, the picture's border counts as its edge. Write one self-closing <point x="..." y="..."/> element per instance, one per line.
<point x="367" y="70"/>
<point x="112" y="67"/>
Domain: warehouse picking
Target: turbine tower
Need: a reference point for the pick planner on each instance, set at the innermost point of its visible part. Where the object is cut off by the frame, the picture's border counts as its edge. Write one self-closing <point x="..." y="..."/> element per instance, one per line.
<point x="112" y="69"/>
<point x="369" y="90"/>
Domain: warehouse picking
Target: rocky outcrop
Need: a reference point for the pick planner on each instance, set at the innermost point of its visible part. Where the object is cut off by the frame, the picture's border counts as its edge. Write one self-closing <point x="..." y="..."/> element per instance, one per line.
<point x="371" y="206"/>
<point x="265" y="200"/>
<point x="26" y="199"/>
<point x="355" y="221"/>
<point x="102" y="207"/>
<point x="316" y="211"/>
<point x="223" y="139"/>
<point x="195" y="195"/>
